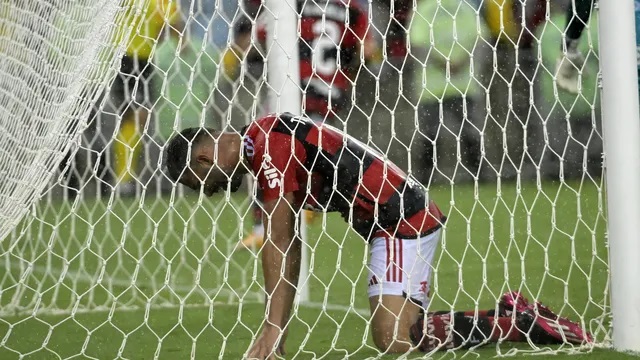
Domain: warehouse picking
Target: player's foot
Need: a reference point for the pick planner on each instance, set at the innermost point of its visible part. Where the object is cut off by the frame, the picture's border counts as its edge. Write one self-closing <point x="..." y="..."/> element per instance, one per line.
<point x="443" y="332"/>
<point x="511" y="301"/>
<point x="252" y="242"/>
<point x="544" y="328"/>
<point x="567" y="71"/>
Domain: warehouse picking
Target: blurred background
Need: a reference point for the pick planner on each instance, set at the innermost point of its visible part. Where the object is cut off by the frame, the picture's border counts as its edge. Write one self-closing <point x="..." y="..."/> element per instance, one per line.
<point x="450" y="90"/>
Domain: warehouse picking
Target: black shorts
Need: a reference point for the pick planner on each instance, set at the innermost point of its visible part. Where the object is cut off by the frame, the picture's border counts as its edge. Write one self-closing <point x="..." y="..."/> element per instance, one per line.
<point x="132" y="86"/>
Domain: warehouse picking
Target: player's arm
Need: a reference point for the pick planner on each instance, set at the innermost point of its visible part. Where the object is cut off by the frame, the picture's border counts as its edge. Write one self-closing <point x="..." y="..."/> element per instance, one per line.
<point x="281" y="255"/>
<point x="280" y="259"/>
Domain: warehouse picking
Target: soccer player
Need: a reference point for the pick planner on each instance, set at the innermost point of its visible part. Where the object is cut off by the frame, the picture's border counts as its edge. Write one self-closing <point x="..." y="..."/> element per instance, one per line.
<point x="130" y="89"/>
<point x="300" y="164"/>
<point x="331" y="32"/>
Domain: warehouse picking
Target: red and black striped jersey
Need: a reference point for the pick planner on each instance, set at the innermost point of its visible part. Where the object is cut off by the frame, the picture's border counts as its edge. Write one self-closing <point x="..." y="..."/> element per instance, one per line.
<point x="331" y="32"/>
<point x="327" y="170"/>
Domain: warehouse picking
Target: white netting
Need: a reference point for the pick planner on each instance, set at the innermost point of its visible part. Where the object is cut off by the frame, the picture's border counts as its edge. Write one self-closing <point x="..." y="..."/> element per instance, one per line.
<point x="54" y="57"/>
<point x="115" y="261"/>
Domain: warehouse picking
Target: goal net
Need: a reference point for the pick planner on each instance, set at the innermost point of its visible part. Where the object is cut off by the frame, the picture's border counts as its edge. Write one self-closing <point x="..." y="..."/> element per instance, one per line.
<point x="102" y="256"/>
<point x="54" y="56"/>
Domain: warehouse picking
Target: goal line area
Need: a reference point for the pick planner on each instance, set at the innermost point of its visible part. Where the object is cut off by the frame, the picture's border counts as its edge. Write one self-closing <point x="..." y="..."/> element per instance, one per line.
<point x="118" y="285"/>
<point x="100" y="272"/>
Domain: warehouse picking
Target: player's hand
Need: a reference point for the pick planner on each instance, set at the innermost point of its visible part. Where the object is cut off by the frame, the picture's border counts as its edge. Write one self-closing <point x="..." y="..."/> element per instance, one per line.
<point x="263" y="348"/>
<point x="282" y="340"/>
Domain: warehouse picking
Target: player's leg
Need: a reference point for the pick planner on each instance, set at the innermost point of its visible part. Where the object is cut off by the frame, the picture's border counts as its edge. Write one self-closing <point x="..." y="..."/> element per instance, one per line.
<point x="515" y="321"/>
<point x="537" y="323"/>
<point x="255" y="239"/>
<point x="399" y="276"/>
<point x="461" y="121"/>
<point x="136" y="76"/>
<point x="572" y="60"/>
<point x="391" y="319"/>
<point x="578" y="14"/>
<point x="396" y="36"/>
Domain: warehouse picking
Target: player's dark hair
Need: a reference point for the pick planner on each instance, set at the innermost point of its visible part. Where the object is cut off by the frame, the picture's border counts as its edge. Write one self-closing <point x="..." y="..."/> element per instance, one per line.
<point x="177" y="149"/>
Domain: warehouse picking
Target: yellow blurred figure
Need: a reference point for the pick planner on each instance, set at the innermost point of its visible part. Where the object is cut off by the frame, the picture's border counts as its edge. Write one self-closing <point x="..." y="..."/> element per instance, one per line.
<point x="499" y="18"/>
<point x="148" y="20"/>
<point x="146" y="28"/>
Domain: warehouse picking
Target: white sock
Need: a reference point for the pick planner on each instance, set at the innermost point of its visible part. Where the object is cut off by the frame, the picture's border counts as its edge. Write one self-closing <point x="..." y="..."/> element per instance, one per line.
<point x="258" y="230"/>
<point x="572" y="45"/>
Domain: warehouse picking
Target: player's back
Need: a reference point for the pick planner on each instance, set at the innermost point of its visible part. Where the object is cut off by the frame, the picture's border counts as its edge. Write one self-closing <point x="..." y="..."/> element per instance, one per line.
<point x="330" y="171"/>
<point x="330" y="35"/>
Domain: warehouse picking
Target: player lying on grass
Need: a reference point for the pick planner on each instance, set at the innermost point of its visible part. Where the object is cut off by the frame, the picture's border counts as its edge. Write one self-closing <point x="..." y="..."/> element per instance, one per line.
<point x="300" y="164"/>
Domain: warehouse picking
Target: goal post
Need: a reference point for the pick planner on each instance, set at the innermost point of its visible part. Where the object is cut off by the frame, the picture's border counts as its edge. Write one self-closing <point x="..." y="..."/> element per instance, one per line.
<point x="285" y="94"/>
<point x="621" y="126"/>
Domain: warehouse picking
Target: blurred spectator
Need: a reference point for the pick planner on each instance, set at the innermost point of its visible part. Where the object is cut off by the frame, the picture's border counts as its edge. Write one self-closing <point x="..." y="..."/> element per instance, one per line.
<point x="571" y="60"/>
<point x="131" y="89"/>
<point x="513" y="21"/>
<point x="125" y="113"/>
<point x="513" y="131"/>
<point x="443" y="37"/>
<point x="393" y="27"/>
<point x="240" y="50"/>
<point x="186" y="77"/>
<point x="572" y="120"/>
<point x="329" y="52"/>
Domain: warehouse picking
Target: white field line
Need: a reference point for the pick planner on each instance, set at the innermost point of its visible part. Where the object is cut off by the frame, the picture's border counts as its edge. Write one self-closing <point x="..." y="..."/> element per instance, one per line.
<point x="108" y="281"/>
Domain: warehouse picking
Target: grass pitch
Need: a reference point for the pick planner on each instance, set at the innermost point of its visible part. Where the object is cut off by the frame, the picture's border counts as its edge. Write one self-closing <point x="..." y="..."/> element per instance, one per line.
<point x="158" y="277"/>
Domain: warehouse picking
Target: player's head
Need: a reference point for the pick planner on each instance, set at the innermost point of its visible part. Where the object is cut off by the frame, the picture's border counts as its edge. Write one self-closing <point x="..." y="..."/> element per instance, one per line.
<point x="191" y="160"/>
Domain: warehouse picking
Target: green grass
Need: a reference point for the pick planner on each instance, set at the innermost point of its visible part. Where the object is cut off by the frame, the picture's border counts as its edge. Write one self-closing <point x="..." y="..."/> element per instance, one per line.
<point x="107" y="280"/>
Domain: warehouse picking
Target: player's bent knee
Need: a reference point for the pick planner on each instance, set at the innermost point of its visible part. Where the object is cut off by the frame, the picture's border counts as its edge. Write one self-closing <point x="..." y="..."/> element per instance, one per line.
<point x="392" y="316"/>
<point x="388" y="343"/>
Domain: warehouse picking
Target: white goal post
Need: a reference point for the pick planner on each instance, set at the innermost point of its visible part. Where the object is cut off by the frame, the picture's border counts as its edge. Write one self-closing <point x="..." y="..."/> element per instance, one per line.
<point x="103" y="256"/>
<point x="622" y="148"/>
<point x="283" y="72"/>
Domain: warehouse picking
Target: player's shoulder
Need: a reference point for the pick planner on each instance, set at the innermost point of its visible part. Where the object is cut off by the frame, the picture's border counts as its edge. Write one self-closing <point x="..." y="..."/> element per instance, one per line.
<point x="255" y="138"/>
<point x="265" y="123"/>
<point x="262" y="125"/>
<point x="257" y="131"/>
<point x="268" y="123"/>
<point x="273" y="126"/>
